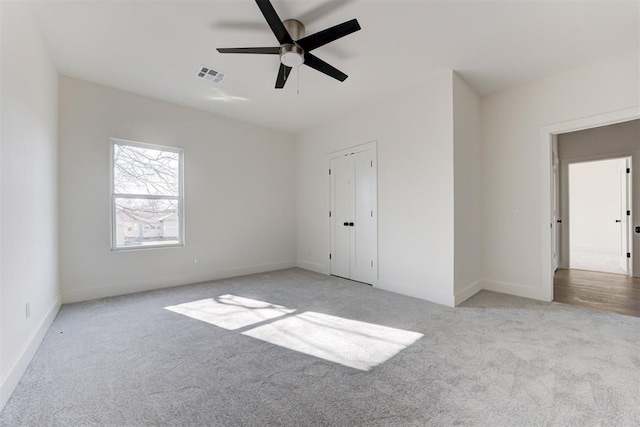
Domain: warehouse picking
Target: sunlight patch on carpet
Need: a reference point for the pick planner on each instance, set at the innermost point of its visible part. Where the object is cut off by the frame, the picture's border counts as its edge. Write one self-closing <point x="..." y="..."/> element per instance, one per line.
<point x="352" y="343"/>
<point x="230" y="311"/>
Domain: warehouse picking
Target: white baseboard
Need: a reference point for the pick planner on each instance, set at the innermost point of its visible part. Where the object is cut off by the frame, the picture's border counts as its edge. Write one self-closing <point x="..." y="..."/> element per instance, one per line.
<point x="86" y="294"/>
<point x="391" y="285"/>
<point x="515" y="290"/>
<point x="317" y="268"/>
<point x="467" y="292"/>
<point x="20" y="366"/>
<point x="416" y="291"/>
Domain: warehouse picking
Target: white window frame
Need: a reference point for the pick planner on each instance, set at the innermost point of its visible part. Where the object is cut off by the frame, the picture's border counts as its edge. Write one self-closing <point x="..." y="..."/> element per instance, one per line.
<point x="114" y="196"/>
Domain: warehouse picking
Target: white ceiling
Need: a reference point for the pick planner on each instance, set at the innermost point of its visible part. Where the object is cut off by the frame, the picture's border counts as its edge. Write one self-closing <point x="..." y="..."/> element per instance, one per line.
<point x="155" y="48"/>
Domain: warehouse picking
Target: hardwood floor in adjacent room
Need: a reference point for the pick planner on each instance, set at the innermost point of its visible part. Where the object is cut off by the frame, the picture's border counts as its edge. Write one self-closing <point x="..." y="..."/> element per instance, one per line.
<point x="616" y="293"/>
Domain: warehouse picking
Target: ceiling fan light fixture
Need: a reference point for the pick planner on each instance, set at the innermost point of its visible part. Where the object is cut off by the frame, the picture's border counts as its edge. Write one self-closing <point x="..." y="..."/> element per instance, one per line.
<point x="291" y="55"/>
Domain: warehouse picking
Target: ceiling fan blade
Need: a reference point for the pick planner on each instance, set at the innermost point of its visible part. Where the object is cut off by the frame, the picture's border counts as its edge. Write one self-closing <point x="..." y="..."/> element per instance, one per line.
<point x="283" y="74"/>
<point x="318" y="64"/>
<point x="274" y="22"/>
<point x="327" y="36"/>
<point x="261" y="50"/>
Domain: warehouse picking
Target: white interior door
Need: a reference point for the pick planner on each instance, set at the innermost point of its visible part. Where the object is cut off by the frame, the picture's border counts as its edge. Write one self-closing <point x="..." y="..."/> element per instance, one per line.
<point x="625" y="217"/>
<point x="353" y="217"/>
<point x="557" y="222"/>
<point x="364" y="229"/>
<point x="341" y="214"/>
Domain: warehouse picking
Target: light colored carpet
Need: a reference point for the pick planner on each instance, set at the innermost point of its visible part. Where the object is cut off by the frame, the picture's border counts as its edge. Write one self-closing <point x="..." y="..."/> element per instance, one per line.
<point x="296" y="348"/>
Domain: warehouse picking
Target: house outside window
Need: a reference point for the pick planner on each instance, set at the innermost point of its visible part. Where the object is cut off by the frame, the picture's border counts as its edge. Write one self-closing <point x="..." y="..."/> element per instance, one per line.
<point x="147" y="196"/>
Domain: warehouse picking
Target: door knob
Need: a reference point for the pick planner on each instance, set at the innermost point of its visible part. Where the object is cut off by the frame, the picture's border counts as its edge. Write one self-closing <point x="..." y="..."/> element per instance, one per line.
<point x="350" y="224"/>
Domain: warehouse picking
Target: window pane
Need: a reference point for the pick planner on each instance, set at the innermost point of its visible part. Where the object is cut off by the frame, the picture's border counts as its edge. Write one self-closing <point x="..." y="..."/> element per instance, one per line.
<point x="145" y="171"/>
<point x="146" y="222"/>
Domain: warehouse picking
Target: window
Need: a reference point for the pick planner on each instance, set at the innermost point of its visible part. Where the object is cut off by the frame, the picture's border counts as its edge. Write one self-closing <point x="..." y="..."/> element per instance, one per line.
<point x="147" y="199"/>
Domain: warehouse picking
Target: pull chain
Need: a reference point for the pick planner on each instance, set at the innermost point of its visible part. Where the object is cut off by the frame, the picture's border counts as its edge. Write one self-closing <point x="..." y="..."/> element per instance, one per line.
<point x="298" y="79"/>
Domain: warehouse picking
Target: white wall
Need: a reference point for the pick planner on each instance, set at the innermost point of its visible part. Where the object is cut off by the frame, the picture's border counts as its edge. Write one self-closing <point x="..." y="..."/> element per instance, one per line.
<point x="28" y="195"/>
<point x="594" y="200"/>
<point x="239" y="194"/>
<point x="414" y="132"/>
<point x="511" y="125"/>
<point x="467" y="189"/>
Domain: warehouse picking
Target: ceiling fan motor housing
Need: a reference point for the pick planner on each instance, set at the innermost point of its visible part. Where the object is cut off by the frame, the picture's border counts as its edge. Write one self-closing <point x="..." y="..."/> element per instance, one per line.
<point x="292" y="55"/>
<point x="294" y="27"/>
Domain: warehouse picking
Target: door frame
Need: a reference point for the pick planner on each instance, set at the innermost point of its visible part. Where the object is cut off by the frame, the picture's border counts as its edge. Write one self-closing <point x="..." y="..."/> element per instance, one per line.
<point x="556" y="206"/>
<point x="546" y="181"/>
<point x="565" y="208"/>
<point x="367" y="146"/>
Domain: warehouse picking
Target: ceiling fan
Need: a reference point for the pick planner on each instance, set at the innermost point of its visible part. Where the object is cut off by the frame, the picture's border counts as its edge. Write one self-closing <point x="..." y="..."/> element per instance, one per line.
<point x="295" y="49"/>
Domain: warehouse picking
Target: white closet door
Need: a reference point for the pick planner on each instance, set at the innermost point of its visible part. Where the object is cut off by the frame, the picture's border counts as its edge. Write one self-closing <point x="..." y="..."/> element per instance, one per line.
<point x="341" y="215"/>
<point x="353" y="223"/>
<point x="364" y="231"/>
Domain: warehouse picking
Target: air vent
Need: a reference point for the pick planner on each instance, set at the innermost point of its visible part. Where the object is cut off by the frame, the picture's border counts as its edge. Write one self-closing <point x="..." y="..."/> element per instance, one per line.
<point x="210" y="74"/>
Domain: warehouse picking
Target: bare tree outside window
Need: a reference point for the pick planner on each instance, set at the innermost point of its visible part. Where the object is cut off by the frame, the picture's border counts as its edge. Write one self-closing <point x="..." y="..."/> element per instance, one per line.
<point x="147" y="195"/>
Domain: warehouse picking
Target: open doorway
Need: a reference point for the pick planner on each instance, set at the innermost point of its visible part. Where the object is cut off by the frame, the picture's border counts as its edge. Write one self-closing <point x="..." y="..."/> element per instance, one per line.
<point x="599" y="205"/>
<point x="594" y="266"/>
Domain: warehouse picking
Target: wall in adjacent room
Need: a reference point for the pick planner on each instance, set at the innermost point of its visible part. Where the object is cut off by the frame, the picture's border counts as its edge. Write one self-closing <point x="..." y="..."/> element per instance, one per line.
<point x="511" y="189"/>
<point x="604" y="140"/>
<point x="28" y="193"/>
<point x="239" y="194"/>
<point x="414" y="133"/>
